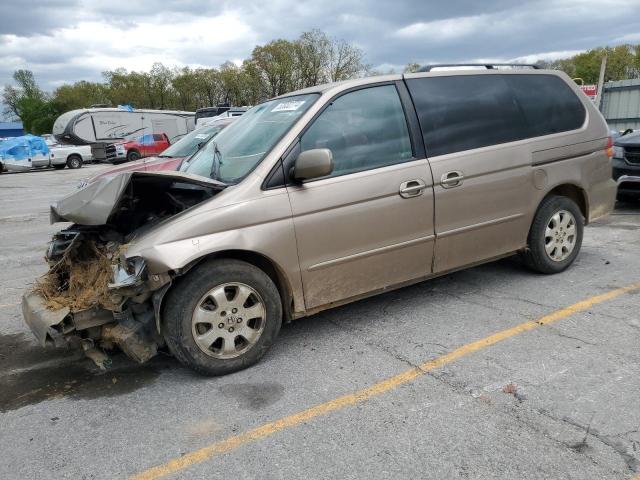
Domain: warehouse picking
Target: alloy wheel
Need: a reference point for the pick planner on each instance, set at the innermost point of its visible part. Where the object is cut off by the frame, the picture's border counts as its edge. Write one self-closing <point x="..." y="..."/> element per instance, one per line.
<point x="228" y="320"/>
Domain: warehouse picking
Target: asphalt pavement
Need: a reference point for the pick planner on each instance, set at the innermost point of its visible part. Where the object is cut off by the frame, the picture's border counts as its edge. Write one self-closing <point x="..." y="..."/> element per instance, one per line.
<point x="491" y="372"/>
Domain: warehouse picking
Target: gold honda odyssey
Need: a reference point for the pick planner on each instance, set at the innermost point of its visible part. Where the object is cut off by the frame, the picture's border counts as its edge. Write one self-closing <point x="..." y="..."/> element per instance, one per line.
<point x="321" y="197"/>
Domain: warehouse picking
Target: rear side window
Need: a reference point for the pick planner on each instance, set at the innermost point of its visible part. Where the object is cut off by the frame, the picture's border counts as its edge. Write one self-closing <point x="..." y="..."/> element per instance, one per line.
<point x="464" y="112"/>
<point x="158" y="136"/>
<point x="364" y="129"/>
<point x="548" y="104"/>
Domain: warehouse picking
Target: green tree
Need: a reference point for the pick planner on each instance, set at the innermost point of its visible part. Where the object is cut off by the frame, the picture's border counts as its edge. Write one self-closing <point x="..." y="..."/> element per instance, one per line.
<point x="81" y="94"/>
<point x="125" y="87"/>
<point x="275" y="65"/>
<point x="29" y="103"/>
<point x="184" y="85"/>
<point x="623" y="61"/>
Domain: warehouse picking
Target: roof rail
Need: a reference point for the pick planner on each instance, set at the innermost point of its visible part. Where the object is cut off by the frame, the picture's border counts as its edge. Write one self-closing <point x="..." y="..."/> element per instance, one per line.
<point x="488" y="66"/>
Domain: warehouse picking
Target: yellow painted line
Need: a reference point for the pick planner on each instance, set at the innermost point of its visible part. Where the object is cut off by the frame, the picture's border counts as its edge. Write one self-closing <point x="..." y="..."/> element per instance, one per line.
<point x="7" y="305"/>
<point x="231" y="443"/>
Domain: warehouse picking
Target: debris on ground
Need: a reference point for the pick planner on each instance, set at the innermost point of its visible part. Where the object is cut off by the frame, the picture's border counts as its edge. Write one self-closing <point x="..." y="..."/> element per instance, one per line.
<point x="512" y="389"/>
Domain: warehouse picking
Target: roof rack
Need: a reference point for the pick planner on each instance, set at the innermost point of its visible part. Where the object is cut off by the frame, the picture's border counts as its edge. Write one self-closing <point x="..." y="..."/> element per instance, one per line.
<point x="488" y="66"/>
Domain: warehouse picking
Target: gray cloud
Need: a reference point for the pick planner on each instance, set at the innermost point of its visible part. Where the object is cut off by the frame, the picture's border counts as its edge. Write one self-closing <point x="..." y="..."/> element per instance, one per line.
<point x="65" y="41"/>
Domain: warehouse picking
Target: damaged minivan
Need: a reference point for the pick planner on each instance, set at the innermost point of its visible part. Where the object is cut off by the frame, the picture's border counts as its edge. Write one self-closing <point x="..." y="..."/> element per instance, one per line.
<point x="318" y="198"/>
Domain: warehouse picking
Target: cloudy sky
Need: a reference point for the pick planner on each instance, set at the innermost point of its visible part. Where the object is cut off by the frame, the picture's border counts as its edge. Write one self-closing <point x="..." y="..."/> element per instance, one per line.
<point x="69" y="40"/>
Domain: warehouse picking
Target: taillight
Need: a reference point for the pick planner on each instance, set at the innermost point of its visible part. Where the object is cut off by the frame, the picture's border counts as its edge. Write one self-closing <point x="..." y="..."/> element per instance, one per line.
<point x="609" y="148"/>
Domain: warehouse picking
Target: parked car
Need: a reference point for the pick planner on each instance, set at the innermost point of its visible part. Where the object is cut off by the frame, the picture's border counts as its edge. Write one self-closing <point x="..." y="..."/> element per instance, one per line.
<point x="136" y="148"/>
<point x="321" y="197"/>
<point x="626" y="165"/>
<point x="172" y="157"/>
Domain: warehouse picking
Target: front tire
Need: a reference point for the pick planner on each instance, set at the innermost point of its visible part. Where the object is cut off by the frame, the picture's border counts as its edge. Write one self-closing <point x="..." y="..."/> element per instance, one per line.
<point x="222" y="317"/>
<point x="555" y="236"/>
<point x="133" y="155"/>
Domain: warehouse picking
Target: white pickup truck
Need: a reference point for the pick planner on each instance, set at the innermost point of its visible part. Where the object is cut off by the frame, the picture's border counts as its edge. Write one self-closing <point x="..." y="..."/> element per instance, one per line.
<point x="21" y="158"/>
<point x="72" y="156"/>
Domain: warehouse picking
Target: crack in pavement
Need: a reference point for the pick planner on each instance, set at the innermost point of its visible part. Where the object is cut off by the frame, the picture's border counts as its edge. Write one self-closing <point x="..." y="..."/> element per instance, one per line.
<point x="633" y="464"/>
<point x="630" y="461"/>
<point x="557" y="332"/>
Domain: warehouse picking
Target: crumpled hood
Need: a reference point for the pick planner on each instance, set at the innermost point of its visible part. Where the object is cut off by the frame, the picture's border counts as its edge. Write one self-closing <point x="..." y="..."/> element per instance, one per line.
<point x="96" y="203"/>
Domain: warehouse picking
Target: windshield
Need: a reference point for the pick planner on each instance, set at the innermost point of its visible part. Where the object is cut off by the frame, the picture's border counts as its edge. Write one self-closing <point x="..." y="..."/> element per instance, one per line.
<point x="188" y="144"/>
<point x="240" y="147"/>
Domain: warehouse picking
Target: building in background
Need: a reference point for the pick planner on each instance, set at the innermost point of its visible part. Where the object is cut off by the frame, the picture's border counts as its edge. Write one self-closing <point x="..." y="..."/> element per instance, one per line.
<point x="621" y="104"/>
<point x="11" y="129"/>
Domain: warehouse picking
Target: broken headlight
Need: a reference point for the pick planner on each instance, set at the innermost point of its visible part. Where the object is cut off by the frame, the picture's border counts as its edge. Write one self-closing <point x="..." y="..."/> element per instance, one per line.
<point x="129" y="272"/>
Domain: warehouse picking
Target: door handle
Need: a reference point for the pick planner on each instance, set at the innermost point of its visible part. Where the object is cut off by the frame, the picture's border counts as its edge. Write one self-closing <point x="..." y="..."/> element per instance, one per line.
<point x="412" y="188"/>
<point x="452" y="179"/>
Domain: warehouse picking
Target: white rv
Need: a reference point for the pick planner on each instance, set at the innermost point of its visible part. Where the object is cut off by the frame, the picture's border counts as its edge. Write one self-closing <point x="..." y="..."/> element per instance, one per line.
<point x="99" y="127"/>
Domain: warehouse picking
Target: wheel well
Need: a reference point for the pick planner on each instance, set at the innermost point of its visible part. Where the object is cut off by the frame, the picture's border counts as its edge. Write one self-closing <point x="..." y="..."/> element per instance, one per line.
<point x="266" y="265"/>
<point x="576" y="194"/>
<point x="73" y="155"/>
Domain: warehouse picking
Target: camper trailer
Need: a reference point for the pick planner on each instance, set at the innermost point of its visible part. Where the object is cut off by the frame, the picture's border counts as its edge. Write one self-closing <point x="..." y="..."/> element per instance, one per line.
<point x="100" y="127"/>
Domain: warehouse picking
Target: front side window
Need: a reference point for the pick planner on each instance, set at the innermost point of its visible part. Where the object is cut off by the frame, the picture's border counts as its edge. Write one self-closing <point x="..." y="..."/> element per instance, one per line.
<point x="237" y="149"/>
<point x="364" y="129"/>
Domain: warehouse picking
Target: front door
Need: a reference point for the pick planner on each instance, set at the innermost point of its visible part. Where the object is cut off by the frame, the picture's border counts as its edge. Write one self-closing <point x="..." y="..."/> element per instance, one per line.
<point x="369" y="225"/>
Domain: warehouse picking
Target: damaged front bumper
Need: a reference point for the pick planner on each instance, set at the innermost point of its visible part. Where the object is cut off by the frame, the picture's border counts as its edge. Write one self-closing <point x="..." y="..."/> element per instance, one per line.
<point x="133" y="332"/>
<point x="45" y="324"/>
<point x="123" y="315"/>
<point x="93" y="293"/>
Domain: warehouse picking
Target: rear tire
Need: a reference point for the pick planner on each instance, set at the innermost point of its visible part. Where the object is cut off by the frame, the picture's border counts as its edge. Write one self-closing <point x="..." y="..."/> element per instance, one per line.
<point x="555" y="236"/>
<point x="197" y="319"/>
<point x="74" y="162"/>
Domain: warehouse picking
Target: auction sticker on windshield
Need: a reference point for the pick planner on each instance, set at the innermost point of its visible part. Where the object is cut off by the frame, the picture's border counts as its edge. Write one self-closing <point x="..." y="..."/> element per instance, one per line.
<point x="288" y="106"/>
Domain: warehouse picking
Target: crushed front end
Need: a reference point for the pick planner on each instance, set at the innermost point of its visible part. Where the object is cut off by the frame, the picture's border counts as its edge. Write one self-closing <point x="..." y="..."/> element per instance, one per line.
<point x="94" y="296"/>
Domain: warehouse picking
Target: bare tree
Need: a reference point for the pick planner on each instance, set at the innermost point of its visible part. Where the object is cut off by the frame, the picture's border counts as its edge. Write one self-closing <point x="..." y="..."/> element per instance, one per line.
<point x="345" y="61"/>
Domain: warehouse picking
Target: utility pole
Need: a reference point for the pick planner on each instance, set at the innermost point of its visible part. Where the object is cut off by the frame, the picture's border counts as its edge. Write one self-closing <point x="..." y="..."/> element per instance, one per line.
<point x="603" y="67"/>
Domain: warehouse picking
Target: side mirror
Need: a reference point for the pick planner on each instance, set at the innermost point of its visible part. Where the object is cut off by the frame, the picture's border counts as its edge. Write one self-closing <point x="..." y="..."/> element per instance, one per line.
<point x="314" y="163"/>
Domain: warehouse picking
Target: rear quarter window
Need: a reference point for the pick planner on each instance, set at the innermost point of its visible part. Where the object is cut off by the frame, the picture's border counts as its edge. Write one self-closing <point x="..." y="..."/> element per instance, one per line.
<point x="548" y="104"/>
<point x="464" y="112"/>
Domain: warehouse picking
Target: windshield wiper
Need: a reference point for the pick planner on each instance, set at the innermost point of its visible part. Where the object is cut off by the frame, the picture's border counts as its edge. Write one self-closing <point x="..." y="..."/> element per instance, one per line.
<point x="217" y="161"/>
